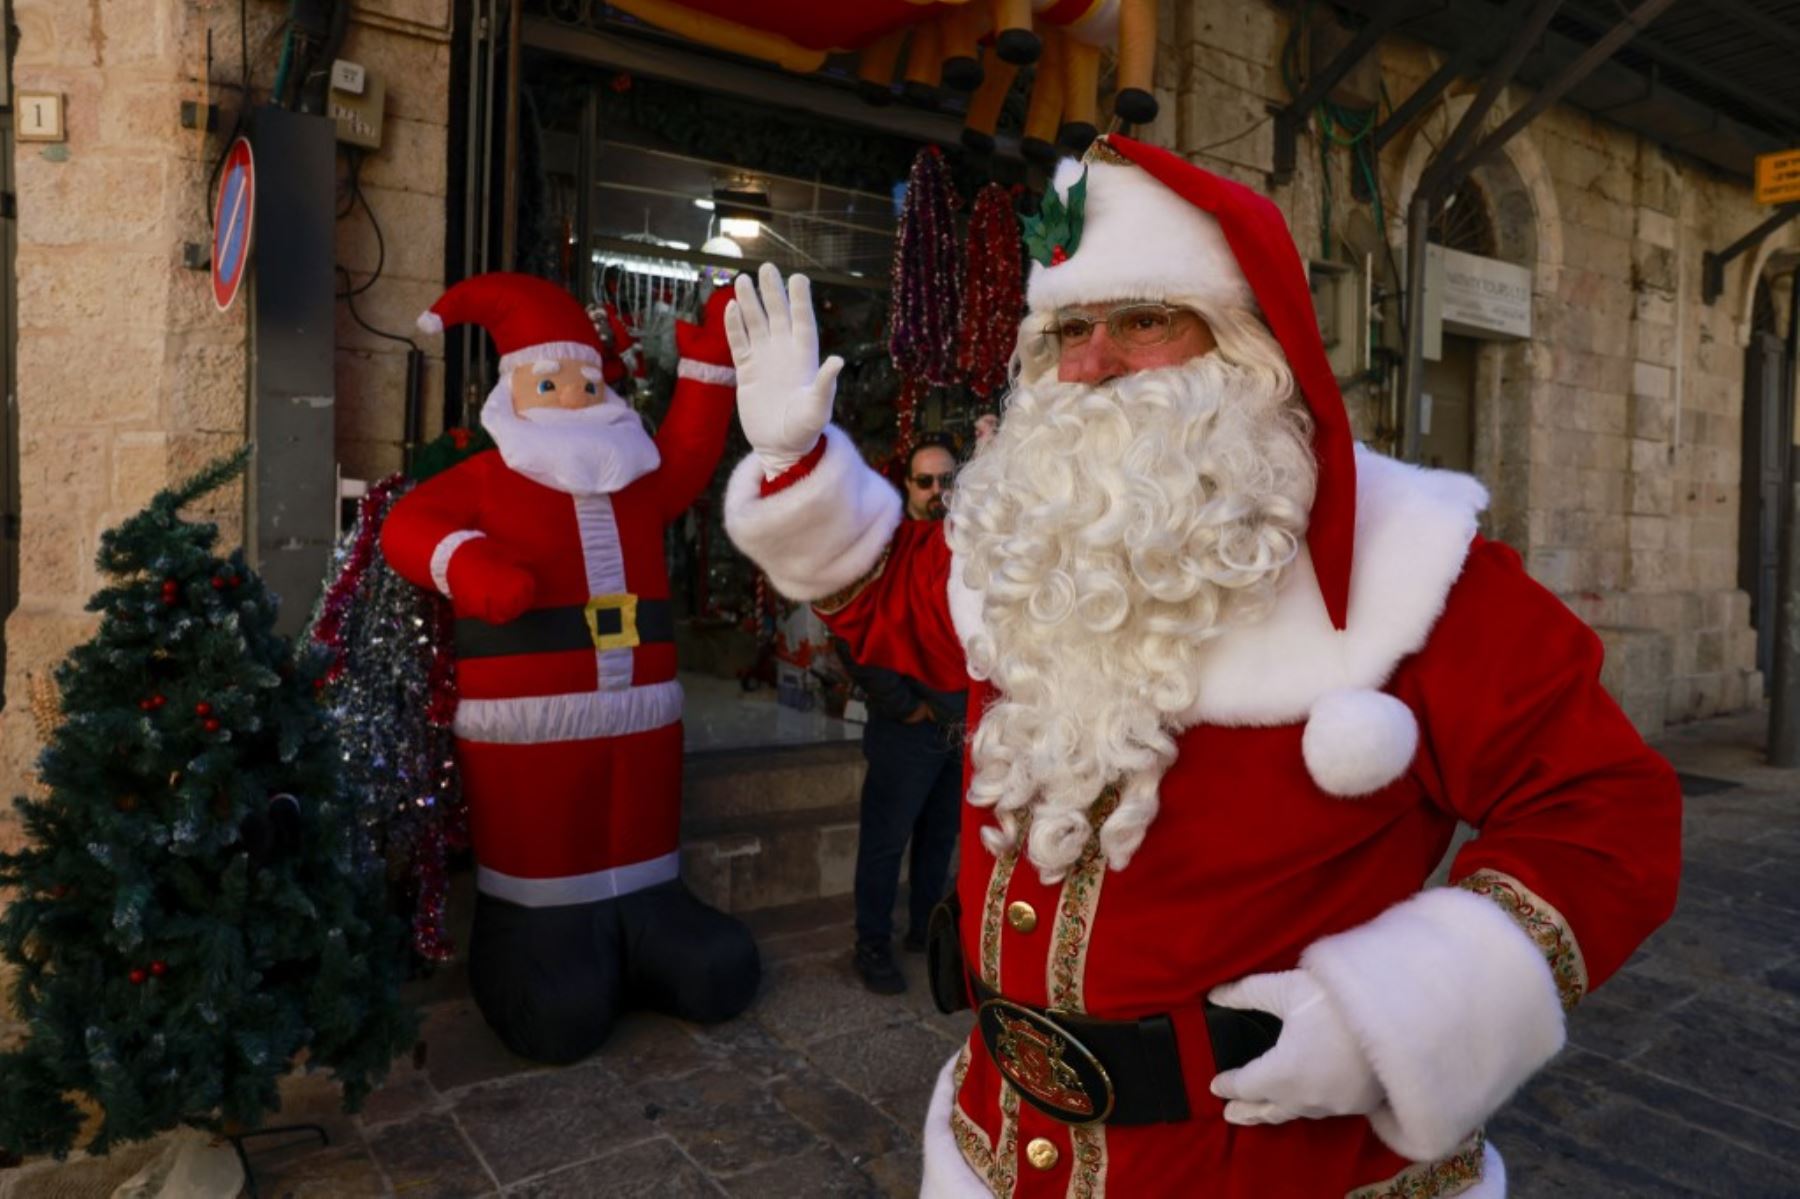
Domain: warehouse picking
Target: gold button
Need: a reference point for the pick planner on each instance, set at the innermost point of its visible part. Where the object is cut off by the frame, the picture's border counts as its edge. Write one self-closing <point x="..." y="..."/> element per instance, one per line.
<point x="1023" y="917"/>
<point x="1041" y="1153"/>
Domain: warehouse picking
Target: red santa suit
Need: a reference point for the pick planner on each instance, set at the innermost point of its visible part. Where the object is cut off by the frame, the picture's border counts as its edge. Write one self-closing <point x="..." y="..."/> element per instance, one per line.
<point x="568" y="723"/>
<point x="1410" y="675"/>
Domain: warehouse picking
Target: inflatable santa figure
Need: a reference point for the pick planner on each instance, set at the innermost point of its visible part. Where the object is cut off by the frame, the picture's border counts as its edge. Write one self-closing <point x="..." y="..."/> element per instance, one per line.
<point x="568" y="725"/>
<point x="1233" y="683"/>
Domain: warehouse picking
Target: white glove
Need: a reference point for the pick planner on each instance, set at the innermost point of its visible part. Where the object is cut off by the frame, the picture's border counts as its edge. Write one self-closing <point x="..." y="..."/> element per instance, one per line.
<point x="783" y="394"/>
<point x="1316" y="1068"/>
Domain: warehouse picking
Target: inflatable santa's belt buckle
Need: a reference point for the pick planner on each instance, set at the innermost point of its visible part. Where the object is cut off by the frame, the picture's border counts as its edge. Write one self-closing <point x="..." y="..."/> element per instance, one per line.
<point x="1052" y="1069"/>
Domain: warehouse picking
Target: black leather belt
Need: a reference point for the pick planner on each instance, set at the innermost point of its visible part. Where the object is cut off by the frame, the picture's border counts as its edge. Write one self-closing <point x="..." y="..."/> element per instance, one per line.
<point x="604" y="622"/>
<point x="1077" y="1068"/>
<point x="1082" y="1070"/>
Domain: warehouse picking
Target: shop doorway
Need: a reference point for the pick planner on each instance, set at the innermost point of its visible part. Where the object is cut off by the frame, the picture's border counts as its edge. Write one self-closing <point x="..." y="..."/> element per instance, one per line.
<point x="1767" y="444"/>
<point x="1447" y="407"/>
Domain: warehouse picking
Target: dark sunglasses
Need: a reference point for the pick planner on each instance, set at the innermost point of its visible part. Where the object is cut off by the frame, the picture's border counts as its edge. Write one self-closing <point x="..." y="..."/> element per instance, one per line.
<point x="945" y="481"/>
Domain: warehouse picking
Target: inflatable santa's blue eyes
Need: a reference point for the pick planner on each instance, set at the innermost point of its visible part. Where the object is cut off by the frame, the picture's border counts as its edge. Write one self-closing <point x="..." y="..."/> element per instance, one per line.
<point x="546" y="386"/>
<point x="591" y="389"/>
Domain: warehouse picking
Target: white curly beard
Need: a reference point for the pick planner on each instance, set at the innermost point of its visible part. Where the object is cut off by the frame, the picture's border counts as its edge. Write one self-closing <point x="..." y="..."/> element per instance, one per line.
<point x="1112" y="531"/>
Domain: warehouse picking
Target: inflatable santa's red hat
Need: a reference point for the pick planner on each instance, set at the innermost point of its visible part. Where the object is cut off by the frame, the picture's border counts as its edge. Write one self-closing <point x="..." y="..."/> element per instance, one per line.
<point x="530" y="319"/>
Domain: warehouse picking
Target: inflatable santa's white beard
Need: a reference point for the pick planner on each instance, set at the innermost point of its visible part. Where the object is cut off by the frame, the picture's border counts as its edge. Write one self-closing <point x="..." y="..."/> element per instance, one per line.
<point x="596" y="450"/>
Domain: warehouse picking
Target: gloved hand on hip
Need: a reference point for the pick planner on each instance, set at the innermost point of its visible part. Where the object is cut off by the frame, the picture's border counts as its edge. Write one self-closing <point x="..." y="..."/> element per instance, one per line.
<point x="784" y="395"/>
<point x="1316" y="1068"/>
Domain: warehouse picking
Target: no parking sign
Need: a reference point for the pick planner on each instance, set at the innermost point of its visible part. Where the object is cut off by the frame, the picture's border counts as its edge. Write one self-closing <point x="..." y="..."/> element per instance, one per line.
<point x="231" y="223"/>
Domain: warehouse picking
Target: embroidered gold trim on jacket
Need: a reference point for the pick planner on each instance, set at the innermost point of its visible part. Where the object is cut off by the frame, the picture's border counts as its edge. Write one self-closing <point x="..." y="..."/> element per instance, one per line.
<point x="1432" y="1180"/>
<point x="840" y="599"/>
<point x="971" y="1140"/>
<point x="1087" y="1179"/>
<point x="1006" y="1157"/>
<point x="993" y="913"/>
<point x="1075" y="907"/>
<point x="1543" y="924"/>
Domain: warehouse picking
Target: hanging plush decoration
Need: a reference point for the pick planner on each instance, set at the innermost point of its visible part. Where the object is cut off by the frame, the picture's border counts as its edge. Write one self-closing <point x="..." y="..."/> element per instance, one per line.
<point x="993" y="292"/>
<point x="926" y="301"/>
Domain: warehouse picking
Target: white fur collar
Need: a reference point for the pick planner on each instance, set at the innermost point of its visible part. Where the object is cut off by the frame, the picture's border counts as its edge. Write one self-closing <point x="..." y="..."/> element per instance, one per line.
<point x="1413" y="529"/>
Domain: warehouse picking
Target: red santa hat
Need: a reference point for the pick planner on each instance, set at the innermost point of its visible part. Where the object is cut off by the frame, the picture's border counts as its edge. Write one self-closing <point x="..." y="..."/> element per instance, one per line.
<point x="1152" y="226"/>
<point x="530" y="319"/>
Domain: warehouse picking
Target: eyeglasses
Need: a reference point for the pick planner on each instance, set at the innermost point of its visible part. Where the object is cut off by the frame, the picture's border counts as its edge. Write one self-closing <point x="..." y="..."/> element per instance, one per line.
<point x="1136" y="325"/>
<point x="925" y="482"/>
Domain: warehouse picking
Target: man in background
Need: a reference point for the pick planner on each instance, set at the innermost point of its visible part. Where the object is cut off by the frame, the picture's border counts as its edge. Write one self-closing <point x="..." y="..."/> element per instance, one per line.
<point x="913" y="744"/>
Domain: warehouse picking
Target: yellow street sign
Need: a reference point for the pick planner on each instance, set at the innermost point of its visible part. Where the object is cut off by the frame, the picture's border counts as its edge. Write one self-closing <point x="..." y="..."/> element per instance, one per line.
<point x="1778" y="177"/>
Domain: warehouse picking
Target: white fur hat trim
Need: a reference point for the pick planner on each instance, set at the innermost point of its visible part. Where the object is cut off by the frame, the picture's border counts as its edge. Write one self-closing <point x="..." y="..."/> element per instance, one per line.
<point x="1139" y="241"/>
<point x="1357" y="742"/>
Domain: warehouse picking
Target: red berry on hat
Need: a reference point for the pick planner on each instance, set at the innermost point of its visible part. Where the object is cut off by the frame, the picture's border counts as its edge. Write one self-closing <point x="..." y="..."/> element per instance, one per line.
<point x="1058" y="256"/>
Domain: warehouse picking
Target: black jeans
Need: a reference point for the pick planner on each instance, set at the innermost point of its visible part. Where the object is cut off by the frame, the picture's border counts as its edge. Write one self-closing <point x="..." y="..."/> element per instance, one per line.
<point x="912" y="791"/>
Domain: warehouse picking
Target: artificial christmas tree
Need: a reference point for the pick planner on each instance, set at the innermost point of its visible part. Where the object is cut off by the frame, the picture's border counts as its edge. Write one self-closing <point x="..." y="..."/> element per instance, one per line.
<point x="189" y="914"/>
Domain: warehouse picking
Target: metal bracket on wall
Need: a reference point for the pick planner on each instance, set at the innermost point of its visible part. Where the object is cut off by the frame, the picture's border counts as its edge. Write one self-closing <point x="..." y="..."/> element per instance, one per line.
<point x="1714" y="262"/>
<point x="1289" y="121"/>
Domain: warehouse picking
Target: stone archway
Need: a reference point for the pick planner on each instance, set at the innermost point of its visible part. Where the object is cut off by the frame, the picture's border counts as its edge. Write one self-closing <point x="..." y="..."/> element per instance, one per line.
<point x="1527" y="230"/>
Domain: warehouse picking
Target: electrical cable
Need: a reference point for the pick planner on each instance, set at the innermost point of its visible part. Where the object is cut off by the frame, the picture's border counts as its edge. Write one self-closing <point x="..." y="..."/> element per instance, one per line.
<point x="351" y="288"/>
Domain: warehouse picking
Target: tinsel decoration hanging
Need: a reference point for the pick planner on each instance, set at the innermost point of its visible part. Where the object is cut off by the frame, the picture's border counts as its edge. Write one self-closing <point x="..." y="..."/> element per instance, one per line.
<point x="993" y="292"/>
<point x="924" y="317"/>
<point x="391" y="687"/>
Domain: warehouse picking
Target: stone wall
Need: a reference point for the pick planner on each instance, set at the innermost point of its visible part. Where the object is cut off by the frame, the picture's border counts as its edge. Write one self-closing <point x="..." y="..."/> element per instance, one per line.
<point x="128" y="377"/>
<point x="1610" y="441"/>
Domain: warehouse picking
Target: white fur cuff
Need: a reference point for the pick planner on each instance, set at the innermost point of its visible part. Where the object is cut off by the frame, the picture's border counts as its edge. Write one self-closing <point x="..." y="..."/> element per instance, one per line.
<point x="1455" y="1007"/>
<point x="822" y="533"/>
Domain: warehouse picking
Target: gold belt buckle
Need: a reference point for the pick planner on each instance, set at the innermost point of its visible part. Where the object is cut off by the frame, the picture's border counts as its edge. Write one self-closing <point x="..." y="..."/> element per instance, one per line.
<point x="1052" y="1069"/>
<point x="626" y="606"/>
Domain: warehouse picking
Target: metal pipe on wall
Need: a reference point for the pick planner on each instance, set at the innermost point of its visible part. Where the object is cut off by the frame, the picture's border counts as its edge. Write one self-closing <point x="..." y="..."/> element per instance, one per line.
<point x="509" y="181"/>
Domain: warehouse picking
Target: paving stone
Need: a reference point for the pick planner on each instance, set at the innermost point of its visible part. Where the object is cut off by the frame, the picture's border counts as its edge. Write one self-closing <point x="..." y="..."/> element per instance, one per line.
<point x="897" y="1174"/>
<point x="813" y="1000"/>
<point x="405" y="1094"/>
<point x="343" y="1173"/>
<point x="1640" y="991"/>
<point x="1762" y="1132"/>
<point x="528" y="1125"/>
<point x="427" y="1158"/>
<point x="1542" y="1163"/>
<point x="651" y="1170"/>
<point x="821" y="1172"/>
<point x="726" y="1121"/>
<point x="1714" y="1047"/>
<point x="1613" y="1029"/>
<point x="885" y="1063"/>
<point x="858" y="1129"/>
<point x="651" y="1045"/>
<point x="460" y="1049"/>
<point x="747" y="1046"/>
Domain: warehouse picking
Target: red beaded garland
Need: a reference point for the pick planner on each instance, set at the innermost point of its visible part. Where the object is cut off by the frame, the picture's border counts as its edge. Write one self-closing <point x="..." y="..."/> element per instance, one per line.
<point x="993" y="292"/>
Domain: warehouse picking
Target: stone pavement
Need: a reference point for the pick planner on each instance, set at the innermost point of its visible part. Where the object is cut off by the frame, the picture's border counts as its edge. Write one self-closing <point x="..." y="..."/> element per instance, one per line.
<point x="1682" y="1077"/>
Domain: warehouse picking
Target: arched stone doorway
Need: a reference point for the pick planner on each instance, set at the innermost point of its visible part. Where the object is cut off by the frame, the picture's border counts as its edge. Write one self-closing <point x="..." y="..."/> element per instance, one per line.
<point x="1768" y="424"/>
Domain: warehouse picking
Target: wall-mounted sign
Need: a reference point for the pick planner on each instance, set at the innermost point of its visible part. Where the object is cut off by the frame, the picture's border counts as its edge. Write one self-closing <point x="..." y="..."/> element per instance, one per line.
<point x="1778" y="177"/>
<point x="1474" y="296"/>
<point x="38" y="117"/>
<point x="231" y="223"/>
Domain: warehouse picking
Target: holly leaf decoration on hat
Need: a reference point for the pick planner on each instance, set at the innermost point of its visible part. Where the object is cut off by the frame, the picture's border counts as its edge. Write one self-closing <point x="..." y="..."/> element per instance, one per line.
<point x="1055" y="233"/>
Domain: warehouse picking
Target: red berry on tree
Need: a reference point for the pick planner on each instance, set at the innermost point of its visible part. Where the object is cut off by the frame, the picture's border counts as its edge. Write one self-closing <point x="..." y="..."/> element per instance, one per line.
<point x="159" y="968"/>
<point x="211" y="725"/>
<point x="219" y="583"/>
<point x="203" y="709"/>
<point x="137" y="976"/>
<point x="147" y="704"/>
<point x="158" y="700"/>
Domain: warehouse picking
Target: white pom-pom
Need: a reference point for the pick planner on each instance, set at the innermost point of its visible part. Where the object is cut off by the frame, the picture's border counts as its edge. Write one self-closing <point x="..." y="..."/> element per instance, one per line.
<point x="431" y="322"/>
<point x="1357" y="742"/>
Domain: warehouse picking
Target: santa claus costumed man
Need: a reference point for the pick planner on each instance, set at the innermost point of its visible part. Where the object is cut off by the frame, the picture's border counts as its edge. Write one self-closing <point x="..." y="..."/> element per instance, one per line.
<point x="1234" y="681"/>
<point x="568" y="721"/>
